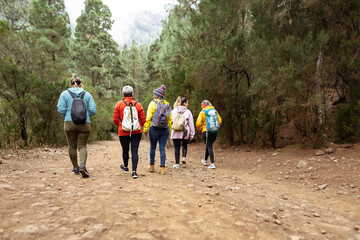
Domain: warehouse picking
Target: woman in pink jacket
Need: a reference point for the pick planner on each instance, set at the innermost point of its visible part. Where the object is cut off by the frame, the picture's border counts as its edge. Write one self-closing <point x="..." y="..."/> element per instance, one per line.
<point x="181" y="137"/>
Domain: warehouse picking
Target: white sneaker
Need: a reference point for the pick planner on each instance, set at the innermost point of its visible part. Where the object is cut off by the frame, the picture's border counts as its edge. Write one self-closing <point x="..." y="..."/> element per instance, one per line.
<point x="176" y="166"/>
<point x="212" y="166"/>
<point x="204" y="162"/>
<point x="183" y="161"/>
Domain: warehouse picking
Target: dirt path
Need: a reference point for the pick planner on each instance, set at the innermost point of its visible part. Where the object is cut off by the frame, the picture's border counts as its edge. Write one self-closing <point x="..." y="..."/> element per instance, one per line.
<point x="253" y="194"/>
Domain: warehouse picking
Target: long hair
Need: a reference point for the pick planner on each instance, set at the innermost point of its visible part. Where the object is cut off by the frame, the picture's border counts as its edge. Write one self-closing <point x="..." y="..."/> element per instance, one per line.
<point x="177" y="102"/>
<point x="180" y="101"/>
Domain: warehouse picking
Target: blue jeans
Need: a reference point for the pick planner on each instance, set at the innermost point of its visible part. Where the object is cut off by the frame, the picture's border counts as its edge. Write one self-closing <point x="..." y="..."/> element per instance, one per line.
<point x="155" y="135"/>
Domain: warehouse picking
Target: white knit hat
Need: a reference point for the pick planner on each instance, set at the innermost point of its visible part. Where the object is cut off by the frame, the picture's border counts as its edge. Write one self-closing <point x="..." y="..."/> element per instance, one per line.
<point x="127" y="89"/>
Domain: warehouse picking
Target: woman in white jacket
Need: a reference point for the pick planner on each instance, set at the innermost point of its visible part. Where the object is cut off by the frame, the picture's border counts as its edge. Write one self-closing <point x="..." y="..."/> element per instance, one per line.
<point x="181" y="137"/>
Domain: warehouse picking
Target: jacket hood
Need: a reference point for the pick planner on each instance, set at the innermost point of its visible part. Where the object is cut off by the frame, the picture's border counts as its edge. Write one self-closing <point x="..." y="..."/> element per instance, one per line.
<point x="159" y="100"/>
<point x="76" y="91"/>
<point x="181" y="109"/>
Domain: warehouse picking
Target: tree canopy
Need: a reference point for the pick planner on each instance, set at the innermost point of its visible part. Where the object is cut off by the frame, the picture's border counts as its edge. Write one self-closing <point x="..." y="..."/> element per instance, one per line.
<point x="266" y="65"/>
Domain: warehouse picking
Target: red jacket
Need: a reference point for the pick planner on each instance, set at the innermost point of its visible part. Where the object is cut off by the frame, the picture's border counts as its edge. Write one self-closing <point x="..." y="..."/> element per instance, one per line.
<point x="119" y="113"/>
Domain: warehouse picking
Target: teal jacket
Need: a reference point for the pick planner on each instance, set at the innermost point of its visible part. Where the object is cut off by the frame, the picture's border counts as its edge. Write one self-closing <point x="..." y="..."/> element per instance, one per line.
<point x="65" y="101"/>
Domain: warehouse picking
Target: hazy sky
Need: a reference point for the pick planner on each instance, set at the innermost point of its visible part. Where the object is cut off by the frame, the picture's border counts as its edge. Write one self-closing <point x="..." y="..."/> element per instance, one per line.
<point x="124" y="12"/>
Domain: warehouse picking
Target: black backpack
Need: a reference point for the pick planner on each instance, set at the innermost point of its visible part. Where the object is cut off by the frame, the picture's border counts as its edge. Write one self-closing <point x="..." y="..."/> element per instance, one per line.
<point x="78" y="109"/>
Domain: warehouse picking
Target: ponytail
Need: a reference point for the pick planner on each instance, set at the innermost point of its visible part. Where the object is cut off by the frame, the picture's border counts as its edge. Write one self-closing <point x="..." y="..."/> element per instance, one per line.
<point x="177" y="102"/>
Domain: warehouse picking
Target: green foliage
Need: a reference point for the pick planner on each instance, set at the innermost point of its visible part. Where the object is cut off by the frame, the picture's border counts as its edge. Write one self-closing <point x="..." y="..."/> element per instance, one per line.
<point x="51" y="34"/>
<point x="95" y="53"/>
<point x="347" y="119"/>
<point x="18" y="83"/>
<point x="15" y="12"/>
<point x="263" y="64"/>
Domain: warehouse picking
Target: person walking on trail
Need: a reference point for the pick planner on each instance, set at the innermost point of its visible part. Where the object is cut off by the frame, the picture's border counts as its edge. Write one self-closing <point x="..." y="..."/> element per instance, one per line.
<point x="129" y="116"/>
<point x="77" y="105"/>
<point x="208" y="122"/>
<point x="182" y="128"/>
<point x="158" y="126"/>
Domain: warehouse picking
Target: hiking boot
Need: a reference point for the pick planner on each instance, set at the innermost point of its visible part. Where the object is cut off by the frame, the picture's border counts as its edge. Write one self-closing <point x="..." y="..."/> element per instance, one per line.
<point x="212" y="166"/>
<point x="84" y="172"/>
<point x="176" y="166"/>
<point x="151" y="168"/>
<point x="125" y="169"/>
<point x="183" y="161"/>
<point x="134" y="175"/>
<point x="162" y="170"/>
<point x="204" y="162"/>
<point x="75" y="170"/>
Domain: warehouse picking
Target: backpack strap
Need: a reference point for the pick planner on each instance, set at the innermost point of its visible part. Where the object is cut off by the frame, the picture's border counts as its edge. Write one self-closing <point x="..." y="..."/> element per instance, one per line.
<point x="129" y="103"/>
<point x="71" y="94"/>
<point x="83" y="95"/>
<point x="124" y="102"/>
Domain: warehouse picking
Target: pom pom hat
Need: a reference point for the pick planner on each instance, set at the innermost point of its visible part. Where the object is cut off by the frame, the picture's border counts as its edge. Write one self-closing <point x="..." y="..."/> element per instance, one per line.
<point x="160" y="92"/>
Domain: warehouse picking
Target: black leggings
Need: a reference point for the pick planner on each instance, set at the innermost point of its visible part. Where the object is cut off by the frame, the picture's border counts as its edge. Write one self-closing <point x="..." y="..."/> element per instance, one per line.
<point x="209" y="145"/>
<point x="125" y="143"/>
<point x="177" y="145"/>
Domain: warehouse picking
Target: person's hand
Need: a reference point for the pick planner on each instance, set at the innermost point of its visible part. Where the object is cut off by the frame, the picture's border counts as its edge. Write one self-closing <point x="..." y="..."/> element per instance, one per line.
<point x="191" y="138"/>
<point x="146" y="134"/>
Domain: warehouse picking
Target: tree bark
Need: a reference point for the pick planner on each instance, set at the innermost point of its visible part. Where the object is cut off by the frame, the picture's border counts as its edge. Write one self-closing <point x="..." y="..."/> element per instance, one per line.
<point x="320" y="113"/>
<point x="23" y="131"/>
<point x="319" y="141"/>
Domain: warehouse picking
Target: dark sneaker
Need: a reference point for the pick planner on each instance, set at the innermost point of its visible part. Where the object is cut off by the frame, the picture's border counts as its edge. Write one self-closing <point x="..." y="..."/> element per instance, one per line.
<point x="134" y="175"/>
<point x="75" y="171"/>
<point x="125" y="169"/>
<point x="84" y="172"/>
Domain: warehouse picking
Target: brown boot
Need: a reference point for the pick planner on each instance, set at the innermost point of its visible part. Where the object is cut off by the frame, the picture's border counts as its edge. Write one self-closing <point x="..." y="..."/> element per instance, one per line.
<point x="162" y="170"/>
<point x="151" y="168"/>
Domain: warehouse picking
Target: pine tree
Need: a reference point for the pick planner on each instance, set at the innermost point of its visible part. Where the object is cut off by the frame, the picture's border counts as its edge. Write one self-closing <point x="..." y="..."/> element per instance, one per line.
<point x="95" y="52"/>
<point x="15" y="12"/>
<point x="18" y="84"/>
<point x="51" y="34"/>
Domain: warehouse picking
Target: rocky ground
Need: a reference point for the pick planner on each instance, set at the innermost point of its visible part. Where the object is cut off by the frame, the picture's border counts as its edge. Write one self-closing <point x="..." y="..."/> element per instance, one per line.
<point x="289" y="193"/>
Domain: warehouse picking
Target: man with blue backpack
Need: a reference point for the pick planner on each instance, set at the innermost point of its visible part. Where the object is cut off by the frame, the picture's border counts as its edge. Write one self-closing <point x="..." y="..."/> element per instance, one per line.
<point x="158" y="126"/>
<point x="208" y="122"/>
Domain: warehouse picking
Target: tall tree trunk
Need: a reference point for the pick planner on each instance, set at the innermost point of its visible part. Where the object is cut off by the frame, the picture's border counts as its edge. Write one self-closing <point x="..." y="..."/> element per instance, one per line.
<point x="320" y="113"/>
<point x="319" y="104"/>
<point x="23" y="131"/>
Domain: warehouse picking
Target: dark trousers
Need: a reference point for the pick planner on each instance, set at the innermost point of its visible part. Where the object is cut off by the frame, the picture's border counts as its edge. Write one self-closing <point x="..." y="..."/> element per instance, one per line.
<point x="177" y="146"/>
<point x="158" y="135"/>
<point x="209" y="139"/>
<point x="134" y="140"/>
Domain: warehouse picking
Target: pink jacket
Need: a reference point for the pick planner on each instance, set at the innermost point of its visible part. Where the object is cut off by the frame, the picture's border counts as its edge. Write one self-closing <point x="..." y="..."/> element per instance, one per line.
<point x="189" y="123"/>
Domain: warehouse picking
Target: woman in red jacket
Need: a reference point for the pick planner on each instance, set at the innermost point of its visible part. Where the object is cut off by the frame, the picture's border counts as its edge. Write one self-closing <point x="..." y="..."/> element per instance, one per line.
<point x="129" y="116"/>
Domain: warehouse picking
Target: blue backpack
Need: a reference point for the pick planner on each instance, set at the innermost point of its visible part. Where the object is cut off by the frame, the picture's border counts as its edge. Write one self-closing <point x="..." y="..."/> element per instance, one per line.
<point x="161" y="115"/>
<point x="212" y="120"/>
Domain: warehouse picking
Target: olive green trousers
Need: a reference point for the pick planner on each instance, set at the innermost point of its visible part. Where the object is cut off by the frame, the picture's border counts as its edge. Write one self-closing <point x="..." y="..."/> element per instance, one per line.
<point x="77" y="137"/>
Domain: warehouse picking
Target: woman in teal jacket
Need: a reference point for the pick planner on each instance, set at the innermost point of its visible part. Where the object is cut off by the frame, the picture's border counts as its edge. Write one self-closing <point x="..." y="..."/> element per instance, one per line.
<point x="77" y="134"/>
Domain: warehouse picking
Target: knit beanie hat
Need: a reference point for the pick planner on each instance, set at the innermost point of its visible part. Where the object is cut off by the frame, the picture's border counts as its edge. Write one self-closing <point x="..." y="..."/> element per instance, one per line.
<point x="160" y="92"/>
